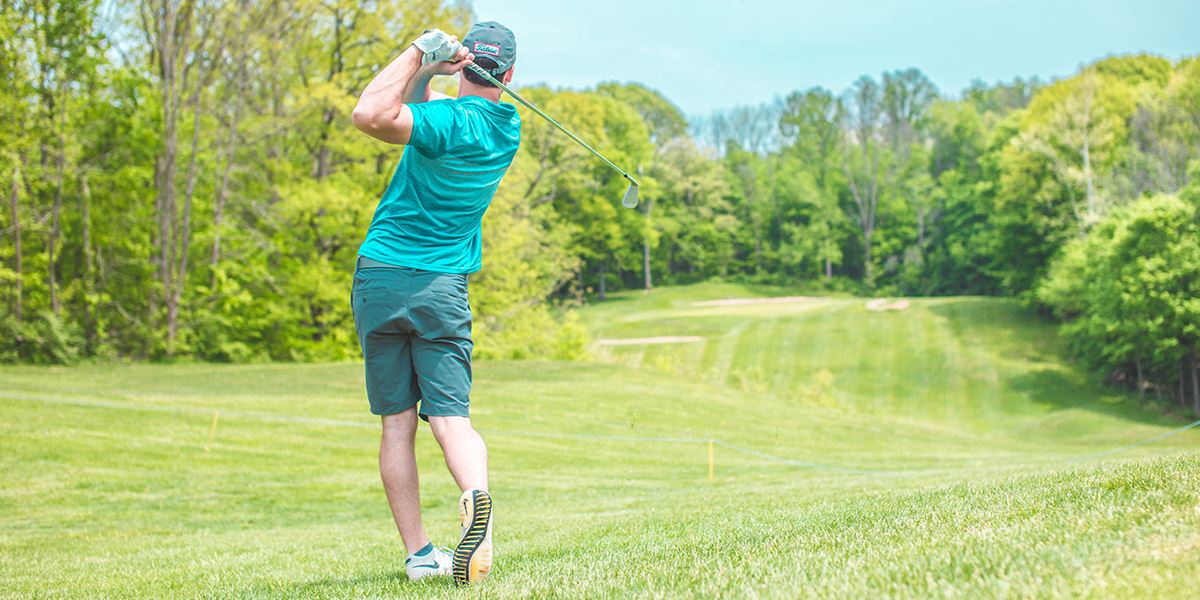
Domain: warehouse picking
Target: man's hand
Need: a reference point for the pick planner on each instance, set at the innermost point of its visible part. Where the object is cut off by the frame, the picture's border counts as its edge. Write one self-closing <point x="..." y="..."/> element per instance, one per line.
<point x="436" y="45"/>
<point x="442" y="54"/>
<point x="452" y="65"/>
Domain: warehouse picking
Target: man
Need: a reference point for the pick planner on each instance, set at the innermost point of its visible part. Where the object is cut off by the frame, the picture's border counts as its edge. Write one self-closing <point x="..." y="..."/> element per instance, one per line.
<point x="410" y="285"/>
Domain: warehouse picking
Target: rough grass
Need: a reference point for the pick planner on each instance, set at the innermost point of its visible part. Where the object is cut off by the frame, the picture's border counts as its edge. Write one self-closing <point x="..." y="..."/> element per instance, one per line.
<point x="954" y="453"/>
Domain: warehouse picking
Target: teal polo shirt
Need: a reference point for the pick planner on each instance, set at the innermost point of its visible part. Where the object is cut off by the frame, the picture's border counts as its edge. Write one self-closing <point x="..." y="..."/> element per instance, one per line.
<point x="431" y="213"/>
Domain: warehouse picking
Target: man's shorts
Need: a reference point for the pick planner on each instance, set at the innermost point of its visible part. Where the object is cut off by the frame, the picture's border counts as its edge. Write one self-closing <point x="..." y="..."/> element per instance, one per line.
<point x="414" y="327"/>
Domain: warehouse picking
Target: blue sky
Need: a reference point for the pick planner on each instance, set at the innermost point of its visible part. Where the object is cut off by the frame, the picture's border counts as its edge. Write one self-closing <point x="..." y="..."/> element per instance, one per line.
<point x="705" y="55"/>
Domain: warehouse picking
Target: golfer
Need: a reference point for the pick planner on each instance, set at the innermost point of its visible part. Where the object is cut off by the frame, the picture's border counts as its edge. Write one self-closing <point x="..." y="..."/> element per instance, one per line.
<point x="410" y="284"/>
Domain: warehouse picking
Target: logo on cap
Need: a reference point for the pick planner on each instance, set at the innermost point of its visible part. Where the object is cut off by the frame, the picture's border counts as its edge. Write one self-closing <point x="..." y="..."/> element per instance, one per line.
<point x="492" y="49"/>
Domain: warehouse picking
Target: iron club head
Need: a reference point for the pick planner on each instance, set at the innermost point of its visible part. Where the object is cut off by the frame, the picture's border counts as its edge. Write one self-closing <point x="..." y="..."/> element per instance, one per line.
<point x="630" y="200"/>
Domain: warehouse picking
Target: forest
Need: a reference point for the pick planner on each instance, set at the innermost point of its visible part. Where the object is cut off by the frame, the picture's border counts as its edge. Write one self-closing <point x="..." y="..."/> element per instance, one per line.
<point x="181" y="182"/>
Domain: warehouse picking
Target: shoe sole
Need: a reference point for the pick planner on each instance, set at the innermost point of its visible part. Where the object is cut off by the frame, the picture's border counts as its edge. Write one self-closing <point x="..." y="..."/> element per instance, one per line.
<point x="471" y="565"/>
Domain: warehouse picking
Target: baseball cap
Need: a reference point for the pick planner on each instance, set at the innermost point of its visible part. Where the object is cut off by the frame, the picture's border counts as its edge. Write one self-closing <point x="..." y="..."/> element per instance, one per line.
<point x="494" y="41"/>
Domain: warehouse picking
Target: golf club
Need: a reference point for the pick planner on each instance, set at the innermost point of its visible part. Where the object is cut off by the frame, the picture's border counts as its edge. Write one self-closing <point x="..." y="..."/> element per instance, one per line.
<point x="631" y="195"/>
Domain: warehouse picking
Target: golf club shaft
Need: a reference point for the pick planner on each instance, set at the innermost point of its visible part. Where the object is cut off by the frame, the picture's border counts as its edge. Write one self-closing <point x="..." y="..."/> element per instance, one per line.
<point x="478" y="70"/>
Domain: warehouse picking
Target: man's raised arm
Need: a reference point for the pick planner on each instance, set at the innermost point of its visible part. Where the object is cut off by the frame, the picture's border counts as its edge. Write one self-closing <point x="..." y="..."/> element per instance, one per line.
<point x="381" y="111"/>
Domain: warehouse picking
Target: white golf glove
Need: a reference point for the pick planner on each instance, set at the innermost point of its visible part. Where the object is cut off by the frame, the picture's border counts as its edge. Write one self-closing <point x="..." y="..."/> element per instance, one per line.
<point x="437" y="46"/>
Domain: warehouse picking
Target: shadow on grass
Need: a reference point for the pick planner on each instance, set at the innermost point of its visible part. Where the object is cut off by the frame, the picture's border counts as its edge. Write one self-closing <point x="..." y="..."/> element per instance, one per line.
<point x="622" y="297"/>
<point x="395" y="582"/>
<point x="1017" y="333"/>
<point x="1061" y="391"/>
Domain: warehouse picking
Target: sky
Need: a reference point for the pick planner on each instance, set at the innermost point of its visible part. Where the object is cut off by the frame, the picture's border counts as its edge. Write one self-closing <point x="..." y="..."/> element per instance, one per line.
<point x="707" y="55"/>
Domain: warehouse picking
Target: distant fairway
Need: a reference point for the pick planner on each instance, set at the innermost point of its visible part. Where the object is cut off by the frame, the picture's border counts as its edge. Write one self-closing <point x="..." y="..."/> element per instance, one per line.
<point x="950" y="451"/>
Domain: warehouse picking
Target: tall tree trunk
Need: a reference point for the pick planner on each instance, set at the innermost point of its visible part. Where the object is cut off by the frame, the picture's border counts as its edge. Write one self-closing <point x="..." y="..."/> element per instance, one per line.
<point x="866" y="200"/>
<point x="229" y="152"/>
<point x="56" y="223"/>
<point x="89" y="265"/>
<point x="758" y="266"/>
<point x="323" y="166"/>
<point x="647" y="279"/>
<point x="921" y="230"/>
<point x="18" y="288"/>
<point x="828" y="269"/>
<point x="1141" y="386"/>
<point x="648" y="283"/>
<point x="164" y="172"/>
<point x="1091" y="187"/>
<point x="602" y="288"/>
<point x="89" y="258"/>
<point x="1086" y="152"/>
<point x="185" y="231"/>
<point x="1195" y="386"/>
<point x="1182" y="380"/>
<point x="868" y="267"/>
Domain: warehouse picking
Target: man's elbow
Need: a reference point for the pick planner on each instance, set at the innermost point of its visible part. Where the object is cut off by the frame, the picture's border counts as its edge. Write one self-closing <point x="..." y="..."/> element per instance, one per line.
<point x="383" y="127"/>
<point x="364" y="120"/>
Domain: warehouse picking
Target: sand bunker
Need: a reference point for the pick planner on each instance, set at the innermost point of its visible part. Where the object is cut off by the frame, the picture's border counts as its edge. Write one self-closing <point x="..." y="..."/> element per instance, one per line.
<point x="666" y="339"/>
<point x="882" y="304"/>
<point x="745" y="301"/>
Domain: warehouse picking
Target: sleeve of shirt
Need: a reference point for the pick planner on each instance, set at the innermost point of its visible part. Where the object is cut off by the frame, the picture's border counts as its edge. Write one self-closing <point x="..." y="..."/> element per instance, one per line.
<point x="439" y="126"/>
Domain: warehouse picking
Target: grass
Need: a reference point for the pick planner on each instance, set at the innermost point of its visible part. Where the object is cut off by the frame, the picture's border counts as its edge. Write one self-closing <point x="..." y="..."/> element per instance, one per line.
<point x="954" y="453"/>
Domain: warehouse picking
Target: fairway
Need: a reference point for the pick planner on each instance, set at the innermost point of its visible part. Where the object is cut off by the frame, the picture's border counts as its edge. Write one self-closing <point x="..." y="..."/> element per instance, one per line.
<point x="947" y="449"/>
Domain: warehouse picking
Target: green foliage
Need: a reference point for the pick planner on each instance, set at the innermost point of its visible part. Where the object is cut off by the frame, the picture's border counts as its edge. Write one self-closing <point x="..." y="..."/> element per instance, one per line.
<point x="43" y="339"/>
<point x="1130" y="295"/>
<point x="1136" y="69"/>
<point x="216" y="215"/>
<point x="664" y="120"/>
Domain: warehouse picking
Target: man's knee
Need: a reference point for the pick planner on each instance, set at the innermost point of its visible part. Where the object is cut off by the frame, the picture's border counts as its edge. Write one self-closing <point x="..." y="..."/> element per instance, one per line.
<point x="447" y="428"/>
<point x="401" y="425"/>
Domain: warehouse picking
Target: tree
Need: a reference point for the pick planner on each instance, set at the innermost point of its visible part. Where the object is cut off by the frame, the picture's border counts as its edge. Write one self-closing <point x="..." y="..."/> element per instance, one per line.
<point x="13" y="140"/>
<point x="1128" y="292"/>
<point x="907" y="96"/>
<point x="752" y="128"/>
<point x="665" y="123"/>
<point x="1079" y="125"/>
<point x="866" y="161"/>
<point x="187" y="39"/>
<point x="810" y="127"/>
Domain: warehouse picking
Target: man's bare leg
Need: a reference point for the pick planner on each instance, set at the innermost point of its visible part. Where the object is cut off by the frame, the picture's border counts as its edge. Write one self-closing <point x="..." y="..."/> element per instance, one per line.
<point x="466" y="456"/>
<point x="398" y="468"/>
<point x="465" y="452"/>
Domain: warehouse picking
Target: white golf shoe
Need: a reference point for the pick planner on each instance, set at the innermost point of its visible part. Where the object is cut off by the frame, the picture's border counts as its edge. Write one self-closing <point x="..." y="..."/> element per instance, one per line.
<point x="473" y="556"/>
<point x="437" y="562"/>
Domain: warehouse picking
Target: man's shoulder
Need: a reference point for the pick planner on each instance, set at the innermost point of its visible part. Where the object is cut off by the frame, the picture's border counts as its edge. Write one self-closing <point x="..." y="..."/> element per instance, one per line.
<point x="500" y="113"/>
<point x="501" y="116"/>
<point x="470" y="124"/>
<point x="440" y="106"/>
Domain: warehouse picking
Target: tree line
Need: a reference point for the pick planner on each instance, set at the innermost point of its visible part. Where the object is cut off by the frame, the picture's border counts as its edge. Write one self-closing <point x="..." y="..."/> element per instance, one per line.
<point x="182" y="182"/>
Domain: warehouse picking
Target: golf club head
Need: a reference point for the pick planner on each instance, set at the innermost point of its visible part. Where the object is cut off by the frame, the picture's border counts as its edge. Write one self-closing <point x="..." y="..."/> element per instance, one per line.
<point x="630" y="200"/>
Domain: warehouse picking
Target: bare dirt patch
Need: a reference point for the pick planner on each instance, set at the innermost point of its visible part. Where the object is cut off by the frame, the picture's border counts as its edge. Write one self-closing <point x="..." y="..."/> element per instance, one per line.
<point x="746" y="301"/>
<point x="882" y="304"/>
<point x="665" y="339"/>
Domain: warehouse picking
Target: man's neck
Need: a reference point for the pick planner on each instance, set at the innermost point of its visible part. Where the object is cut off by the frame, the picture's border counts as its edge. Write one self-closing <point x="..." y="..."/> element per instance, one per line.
<point x="466" y="88"/>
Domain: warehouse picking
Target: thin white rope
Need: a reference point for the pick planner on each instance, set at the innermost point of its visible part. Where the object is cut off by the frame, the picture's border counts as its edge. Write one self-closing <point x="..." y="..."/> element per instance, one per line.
<point x="178" y="408"/>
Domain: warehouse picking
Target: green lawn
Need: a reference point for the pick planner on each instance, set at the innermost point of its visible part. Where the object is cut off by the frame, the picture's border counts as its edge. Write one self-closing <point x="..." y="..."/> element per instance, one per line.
<point x="945" y="450"/>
